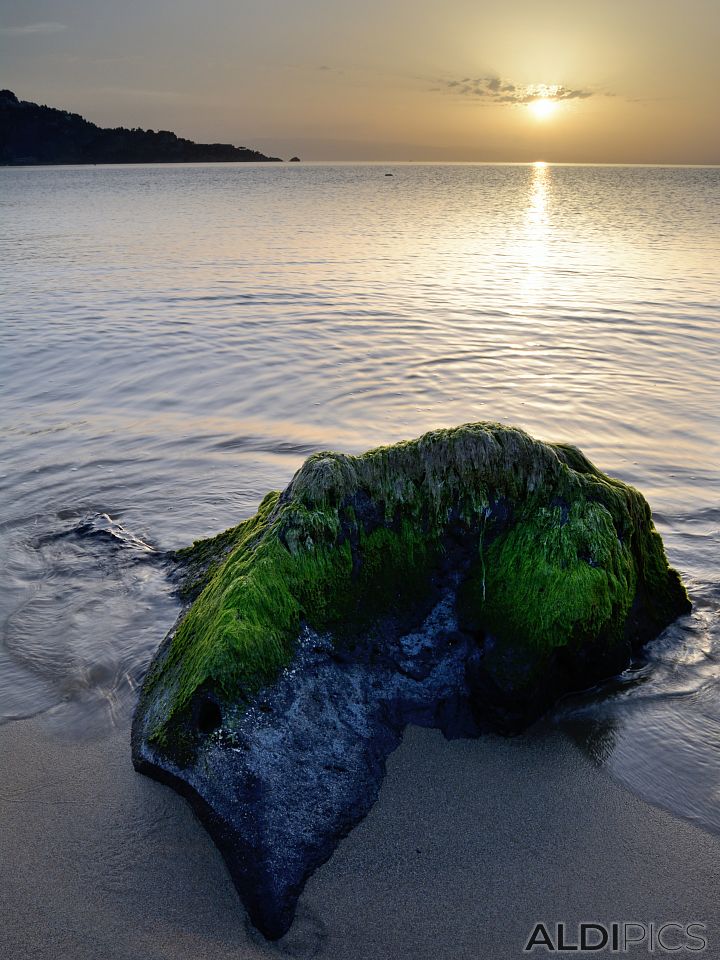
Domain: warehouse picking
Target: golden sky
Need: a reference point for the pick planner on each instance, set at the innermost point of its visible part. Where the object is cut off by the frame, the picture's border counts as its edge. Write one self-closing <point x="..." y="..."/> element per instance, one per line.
<point x="632" y="81"/>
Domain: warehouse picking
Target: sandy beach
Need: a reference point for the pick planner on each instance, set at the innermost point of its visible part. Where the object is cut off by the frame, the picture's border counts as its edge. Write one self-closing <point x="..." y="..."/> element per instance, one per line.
<point x="470" y="844"/>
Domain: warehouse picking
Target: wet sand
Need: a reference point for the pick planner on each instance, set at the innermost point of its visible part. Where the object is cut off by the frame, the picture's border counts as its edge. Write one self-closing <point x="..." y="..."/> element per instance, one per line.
<point x="470" y="844"/>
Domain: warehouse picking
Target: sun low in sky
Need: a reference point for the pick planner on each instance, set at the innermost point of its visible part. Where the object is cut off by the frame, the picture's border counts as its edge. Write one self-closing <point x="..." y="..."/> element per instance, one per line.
<point x="542" y="108"/>
<point x="576" y="81"/>
<point x="544" y="100"/>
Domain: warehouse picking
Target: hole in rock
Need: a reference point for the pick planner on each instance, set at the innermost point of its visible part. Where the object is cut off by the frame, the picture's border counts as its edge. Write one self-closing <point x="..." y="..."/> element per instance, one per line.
<point x="209" y="717"/>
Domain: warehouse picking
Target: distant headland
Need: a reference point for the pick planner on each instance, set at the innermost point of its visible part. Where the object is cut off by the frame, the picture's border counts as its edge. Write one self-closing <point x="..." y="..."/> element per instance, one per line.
<point x="34" y="134"/>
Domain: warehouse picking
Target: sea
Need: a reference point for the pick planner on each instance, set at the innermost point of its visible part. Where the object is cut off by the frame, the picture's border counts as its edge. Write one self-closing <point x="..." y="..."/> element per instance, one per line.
<point x="175" y="340"/>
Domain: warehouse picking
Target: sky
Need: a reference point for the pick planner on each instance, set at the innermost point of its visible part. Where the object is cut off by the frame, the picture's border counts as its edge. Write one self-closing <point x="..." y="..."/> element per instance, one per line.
<point x="619" y="81"/>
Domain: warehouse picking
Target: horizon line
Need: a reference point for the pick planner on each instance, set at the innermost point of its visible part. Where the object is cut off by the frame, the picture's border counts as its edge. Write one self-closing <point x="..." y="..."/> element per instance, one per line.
<point x="380" y="162"/>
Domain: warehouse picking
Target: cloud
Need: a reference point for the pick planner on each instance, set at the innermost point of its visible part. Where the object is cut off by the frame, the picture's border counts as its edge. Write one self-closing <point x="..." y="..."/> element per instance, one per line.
<point x="45" y="27"/>
<point x="497" y="90"/>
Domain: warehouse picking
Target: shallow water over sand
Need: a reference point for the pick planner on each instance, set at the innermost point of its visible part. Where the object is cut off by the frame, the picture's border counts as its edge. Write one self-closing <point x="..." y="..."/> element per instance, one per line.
<point x="175" y="340"/>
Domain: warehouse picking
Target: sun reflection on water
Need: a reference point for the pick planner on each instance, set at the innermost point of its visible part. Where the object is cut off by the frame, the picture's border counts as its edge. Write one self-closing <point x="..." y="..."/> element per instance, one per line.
<point x="537" y="234"/>
<point x="539" y="187"/>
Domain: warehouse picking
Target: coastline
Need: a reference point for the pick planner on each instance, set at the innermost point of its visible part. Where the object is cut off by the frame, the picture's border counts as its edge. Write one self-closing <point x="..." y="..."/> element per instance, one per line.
<point x="470" y="844"/>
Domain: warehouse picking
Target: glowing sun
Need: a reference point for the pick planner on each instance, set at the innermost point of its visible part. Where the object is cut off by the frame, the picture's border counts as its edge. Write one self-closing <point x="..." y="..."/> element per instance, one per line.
<point x="542" y="108"/>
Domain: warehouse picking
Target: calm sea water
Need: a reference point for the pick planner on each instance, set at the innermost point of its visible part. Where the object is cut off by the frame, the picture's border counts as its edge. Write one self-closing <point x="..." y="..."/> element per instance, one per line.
<point x="175" y="341"/>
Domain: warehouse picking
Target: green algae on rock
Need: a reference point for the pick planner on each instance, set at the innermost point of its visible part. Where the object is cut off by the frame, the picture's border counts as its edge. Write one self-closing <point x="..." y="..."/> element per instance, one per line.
<point x="561" y="555"/>
<point x="464" y="581"/>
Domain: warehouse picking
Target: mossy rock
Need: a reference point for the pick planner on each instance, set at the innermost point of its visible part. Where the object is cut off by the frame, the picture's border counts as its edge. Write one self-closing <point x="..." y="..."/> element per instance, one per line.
<point x="548" y="572"/>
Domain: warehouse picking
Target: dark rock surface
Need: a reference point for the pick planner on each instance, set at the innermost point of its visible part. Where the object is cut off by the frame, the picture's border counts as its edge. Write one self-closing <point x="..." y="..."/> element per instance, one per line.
<point x="305" y="761"/>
